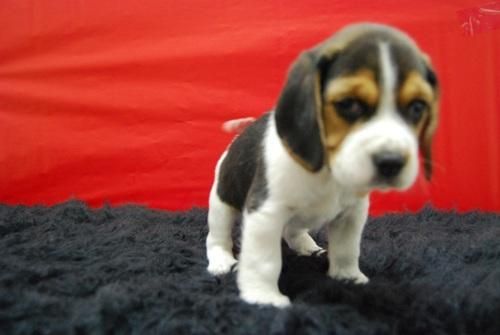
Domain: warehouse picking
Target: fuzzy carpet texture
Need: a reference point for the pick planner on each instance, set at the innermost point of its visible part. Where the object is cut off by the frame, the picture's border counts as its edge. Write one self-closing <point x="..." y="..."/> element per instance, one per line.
<point x="69" y="269"/>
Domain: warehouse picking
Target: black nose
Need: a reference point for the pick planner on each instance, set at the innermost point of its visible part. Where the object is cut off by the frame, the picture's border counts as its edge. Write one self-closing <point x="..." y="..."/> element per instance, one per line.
<point x="388" y="163"/>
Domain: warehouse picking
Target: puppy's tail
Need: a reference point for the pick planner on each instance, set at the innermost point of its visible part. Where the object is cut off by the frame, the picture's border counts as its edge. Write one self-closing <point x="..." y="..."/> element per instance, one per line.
<point x="237" y="125"/>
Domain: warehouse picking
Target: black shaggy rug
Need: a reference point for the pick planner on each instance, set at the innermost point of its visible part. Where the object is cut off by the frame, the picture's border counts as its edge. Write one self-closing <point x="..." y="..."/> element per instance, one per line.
<point x="69" y="269"/>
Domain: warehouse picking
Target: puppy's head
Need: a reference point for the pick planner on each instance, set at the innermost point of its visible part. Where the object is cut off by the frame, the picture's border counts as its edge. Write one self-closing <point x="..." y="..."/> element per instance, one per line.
<point x="361" y="103"/>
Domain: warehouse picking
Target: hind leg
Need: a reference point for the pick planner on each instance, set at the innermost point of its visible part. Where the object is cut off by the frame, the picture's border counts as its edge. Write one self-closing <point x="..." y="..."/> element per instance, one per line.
<point x="219" y="241"/>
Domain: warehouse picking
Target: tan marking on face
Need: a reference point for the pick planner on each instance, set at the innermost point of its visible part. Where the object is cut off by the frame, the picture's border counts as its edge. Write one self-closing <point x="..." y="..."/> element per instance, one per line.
<point x="362" y="86"/>
<point x="415" y="87"/>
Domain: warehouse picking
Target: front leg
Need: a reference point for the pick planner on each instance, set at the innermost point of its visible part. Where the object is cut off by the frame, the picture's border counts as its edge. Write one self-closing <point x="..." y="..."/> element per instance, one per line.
<point x="344" y="241"/>
<point x="260" y="258"/>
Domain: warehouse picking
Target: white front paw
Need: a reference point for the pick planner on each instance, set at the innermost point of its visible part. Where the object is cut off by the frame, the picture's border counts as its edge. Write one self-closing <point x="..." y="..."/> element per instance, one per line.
<point x="349" y="274"/>
<point x="265" y="298"/>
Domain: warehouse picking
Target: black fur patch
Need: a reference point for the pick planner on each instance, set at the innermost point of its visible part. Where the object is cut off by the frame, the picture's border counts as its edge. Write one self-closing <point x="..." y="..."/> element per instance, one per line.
<point x="406" y="61"/>
<point x="431" y="77"/>
<point x="362" y="53"/>
<point x="296" y="113"/>
<point x="242" y="173"/>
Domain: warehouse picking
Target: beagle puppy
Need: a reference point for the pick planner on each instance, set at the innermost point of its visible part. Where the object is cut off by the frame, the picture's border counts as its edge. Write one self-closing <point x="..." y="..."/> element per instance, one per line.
<point x="350" y="119"/>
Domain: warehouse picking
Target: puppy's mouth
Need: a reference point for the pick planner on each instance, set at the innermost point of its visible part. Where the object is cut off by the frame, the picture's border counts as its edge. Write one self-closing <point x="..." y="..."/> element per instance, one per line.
<point x="383" y="186"/>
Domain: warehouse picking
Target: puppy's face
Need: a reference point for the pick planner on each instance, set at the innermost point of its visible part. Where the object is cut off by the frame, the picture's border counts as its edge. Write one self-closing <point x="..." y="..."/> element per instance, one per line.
<point x="377" y="97"/>
<point x="374" y="98"/>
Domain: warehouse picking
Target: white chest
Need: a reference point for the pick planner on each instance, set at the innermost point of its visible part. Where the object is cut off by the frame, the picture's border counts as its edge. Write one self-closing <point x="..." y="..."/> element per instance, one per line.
<point x="322" y="210"/>
<point x="314" y="199"/>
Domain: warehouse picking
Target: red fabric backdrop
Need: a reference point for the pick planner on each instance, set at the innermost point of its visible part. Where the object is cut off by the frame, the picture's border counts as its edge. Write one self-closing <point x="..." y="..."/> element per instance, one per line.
<point x="122" y="101"/>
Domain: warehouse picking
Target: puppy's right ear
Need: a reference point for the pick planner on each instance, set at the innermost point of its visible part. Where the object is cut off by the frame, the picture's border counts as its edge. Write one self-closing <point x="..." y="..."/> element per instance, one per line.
<point x="430" y="125"/>
<point x="298" y="112"/>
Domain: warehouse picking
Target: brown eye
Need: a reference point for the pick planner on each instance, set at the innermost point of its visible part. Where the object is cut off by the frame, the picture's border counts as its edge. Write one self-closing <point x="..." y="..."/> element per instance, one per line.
<point x="351" y="109"/>
<point x="415" y="110"/>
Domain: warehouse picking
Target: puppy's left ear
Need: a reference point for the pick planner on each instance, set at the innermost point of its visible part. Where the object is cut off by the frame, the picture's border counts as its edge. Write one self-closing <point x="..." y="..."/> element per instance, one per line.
<point x="431" y="122"/>
<point x="298" y="111"/>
